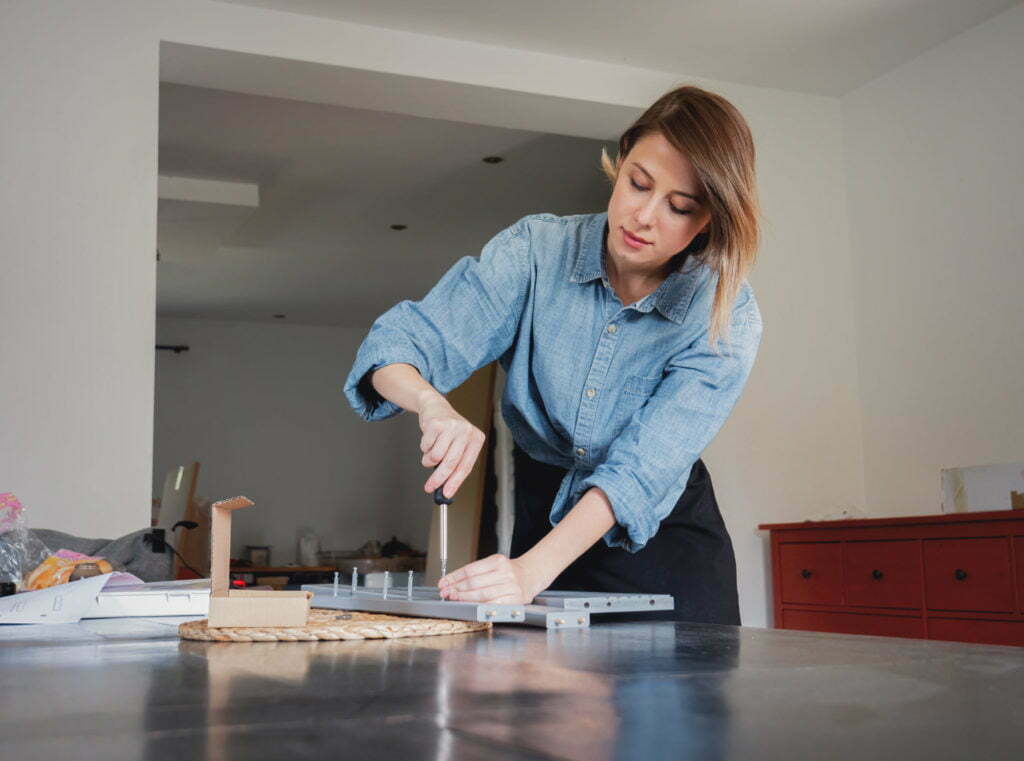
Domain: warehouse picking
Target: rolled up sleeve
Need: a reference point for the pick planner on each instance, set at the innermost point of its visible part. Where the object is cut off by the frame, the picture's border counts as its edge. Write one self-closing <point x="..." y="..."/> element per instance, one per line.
<point x="466" y="321"/>
<point x="647" y="465"/>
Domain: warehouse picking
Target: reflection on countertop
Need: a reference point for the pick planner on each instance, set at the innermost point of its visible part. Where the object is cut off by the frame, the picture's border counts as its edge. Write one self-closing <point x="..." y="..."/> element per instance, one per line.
<point x="613" y="691"/>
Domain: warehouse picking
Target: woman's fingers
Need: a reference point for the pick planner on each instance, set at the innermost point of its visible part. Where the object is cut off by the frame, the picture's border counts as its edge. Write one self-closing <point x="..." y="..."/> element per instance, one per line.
<point x="507" y="592"/>
<point x="489" y="563"/>
<point x="474" y="444"/>
<point x="447" y="465"/>
<point x="438" y="449"/>
<point x="492" y="579"/>
<point x="480" y="581"/>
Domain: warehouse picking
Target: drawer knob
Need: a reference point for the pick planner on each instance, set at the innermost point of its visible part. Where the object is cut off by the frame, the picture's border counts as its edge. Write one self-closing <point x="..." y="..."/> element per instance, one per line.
<point x="876" y="574"/>
<point x="805" y="573"/>
<point x="960" y="574"/>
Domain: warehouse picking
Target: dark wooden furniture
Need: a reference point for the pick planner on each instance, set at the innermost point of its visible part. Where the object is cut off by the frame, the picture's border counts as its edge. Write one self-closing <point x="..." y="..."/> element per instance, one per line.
<point x="951" y="577"/>
<point x="296" y="574"/>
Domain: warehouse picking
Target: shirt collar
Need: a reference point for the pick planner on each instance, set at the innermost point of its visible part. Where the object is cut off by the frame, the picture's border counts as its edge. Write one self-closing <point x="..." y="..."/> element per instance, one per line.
<point x="673" y="296"/>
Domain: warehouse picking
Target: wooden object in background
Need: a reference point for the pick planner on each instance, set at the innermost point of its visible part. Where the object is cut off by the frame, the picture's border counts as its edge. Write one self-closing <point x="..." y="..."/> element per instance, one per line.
<point x="194" y="543"/>
<point x="245" y="607"/>
<point x="954" y="577"/>
<point x="473" y="400"/>
<point x="176" y="504"/>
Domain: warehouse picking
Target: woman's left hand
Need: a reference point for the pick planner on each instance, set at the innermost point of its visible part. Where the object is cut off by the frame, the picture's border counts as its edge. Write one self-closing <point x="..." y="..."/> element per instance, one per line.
<point x="496" y="579"/>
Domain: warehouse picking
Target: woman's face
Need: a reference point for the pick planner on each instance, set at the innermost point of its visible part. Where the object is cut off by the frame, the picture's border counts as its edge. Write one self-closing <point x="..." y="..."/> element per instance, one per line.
<point x="654" y="198"/>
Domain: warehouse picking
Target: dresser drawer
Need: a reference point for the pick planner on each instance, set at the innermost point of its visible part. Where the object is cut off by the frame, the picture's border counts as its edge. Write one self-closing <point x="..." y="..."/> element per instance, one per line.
<point x="1018" y="554"/>
<point x="969" y="574"/>
<point x="990" y="632"/>
<point x="853" y="623"/>
<point x="811" y="573"/>
<point x="883" y="574"/>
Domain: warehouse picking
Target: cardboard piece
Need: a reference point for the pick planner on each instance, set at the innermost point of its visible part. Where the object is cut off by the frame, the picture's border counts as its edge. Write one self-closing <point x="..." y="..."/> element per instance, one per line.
<point x="245" y="607"/>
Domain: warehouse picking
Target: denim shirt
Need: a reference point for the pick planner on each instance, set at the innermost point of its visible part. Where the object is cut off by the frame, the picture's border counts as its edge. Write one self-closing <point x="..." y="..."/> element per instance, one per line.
<point x="624" y="397"/>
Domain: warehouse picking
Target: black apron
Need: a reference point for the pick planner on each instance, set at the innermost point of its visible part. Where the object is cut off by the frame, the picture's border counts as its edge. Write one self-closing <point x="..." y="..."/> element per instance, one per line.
<point x="690" y="557"/>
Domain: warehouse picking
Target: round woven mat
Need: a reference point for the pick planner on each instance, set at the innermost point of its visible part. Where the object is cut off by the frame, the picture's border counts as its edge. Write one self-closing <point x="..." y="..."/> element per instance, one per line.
<point x="332" y="625"/>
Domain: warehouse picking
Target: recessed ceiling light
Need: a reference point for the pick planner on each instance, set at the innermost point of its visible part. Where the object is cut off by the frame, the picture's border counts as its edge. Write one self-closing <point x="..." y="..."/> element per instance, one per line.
<point x="398" y="227"/>
<point x="492" y="159"/>
<point x="279" y="316"/>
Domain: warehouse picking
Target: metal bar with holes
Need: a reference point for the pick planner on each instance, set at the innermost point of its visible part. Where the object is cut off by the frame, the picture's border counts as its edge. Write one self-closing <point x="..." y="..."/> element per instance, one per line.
<point x="605" y="603"/>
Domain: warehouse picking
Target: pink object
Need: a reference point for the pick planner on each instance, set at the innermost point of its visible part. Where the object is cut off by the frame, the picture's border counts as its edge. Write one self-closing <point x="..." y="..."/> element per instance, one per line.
<point x="10" y="511"/>
<point x="72" y="555"/>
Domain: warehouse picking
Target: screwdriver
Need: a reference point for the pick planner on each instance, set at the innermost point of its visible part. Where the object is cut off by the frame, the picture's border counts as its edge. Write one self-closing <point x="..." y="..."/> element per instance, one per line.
<point x="442" y="502"/>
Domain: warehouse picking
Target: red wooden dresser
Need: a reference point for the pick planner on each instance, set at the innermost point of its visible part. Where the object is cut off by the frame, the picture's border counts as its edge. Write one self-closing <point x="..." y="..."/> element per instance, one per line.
<point x="953" y="577"/>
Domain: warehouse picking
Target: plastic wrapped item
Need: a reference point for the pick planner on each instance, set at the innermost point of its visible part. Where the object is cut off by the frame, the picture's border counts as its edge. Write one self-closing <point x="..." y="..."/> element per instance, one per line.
<point x="61" y="567"/>
<point x="20" y="550"/>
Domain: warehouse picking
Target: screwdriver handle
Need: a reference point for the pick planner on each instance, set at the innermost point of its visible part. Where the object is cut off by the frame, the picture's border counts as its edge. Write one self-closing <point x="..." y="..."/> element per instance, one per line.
<point x="439" y="498"/>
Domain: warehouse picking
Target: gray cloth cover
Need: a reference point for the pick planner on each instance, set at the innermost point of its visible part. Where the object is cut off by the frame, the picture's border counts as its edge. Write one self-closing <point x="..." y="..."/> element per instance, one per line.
<point x="129" y="551"/>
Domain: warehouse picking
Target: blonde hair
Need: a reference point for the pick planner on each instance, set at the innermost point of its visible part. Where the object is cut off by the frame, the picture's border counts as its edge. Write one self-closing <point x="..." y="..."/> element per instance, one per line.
<point x="714" y="136"/>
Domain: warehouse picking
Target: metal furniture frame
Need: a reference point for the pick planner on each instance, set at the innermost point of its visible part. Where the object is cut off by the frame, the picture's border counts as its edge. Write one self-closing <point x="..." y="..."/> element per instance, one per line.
<point x="550" y="610"/>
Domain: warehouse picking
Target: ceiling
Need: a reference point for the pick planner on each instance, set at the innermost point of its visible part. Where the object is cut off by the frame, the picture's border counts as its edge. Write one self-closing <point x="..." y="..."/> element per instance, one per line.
<point x="332" y="179"/>
<point x="827" y="47"/>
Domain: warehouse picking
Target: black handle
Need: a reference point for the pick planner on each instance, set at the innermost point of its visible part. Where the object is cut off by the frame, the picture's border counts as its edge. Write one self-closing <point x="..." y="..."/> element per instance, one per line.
<point x="960" y="574"/>
<point x="439" y="498"/>
<point x="876" y="574"/>
<point x="805" y="573"/>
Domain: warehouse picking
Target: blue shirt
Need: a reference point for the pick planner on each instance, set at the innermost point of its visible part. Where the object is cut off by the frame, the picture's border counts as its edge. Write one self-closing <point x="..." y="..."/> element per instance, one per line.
<point x="625" y="397"/>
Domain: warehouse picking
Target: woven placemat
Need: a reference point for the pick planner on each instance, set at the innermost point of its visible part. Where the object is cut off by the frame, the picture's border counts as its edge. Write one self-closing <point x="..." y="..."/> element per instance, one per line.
<point x="333" y="625"/>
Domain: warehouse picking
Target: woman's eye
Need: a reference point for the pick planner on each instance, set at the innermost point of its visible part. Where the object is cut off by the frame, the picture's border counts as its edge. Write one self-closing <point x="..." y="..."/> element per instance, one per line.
<point x="677" y="211"/>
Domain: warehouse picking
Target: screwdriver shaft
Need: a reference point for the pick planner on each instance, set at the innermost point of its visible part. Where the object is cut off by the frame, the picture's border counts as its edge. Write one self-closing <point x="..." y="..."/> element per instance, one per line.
<point x="443" y="521"/>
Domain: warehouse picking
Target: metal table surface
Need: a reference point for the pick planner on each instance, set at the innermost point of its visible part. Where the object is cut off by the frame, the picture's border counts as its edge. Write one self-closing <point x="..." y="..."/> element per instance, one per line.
<point x="645" y="691"/>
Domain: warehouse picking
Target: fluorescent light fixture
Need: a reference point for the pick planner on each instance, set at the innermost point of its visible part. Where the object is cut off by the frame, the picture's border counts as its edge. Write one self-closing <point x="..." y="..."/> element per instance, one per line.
<point x="208" y="191"/>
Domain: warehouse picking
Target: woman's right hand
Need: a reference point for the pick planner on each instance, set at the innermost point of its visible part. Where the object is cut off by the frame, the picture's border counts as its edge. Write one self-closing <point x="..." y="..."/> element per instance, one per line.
<point x="450" y="442"/>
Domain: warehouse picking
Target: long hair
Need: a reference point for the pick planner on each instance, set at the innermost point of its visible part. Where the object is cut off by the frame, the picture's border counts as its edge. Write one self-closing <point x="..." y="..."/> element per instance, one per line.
<point x="714" y="136"/>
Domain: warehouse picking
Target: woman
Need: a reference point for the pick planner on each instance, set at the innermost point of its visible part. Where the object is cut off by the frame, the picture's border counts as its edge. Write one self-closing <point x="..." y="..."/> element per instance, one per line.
<point x="627" y="337"/>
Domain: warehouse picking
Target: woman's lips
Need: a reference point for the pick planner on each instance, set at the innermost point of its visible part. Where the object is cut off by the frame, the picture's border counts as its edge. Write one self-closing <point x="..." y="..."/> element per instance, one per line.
<point x="632" y="240"/>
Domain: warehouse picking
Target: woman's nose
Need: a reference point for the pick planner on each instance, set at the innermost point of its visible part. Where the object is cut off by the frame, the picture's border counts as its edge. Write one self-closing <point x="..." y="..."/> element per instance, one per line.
<point x="644" y="215"/>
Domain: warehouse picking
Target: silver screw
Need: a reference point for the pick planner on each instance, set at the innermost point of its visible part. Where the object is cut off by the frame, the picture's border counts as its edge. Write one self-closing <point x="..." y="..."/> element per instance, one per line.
<point x="408" y="587"/>
<point x="355" y="578"/>
<point x="335" y="583"/>
<point x="387" y="583"/>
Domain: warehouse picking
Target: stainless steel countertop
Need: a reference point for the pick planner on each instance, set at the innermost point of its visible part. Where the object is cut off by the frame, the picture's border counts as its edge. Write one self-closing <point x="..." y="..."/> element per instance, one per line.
<point x="645" y="691"/>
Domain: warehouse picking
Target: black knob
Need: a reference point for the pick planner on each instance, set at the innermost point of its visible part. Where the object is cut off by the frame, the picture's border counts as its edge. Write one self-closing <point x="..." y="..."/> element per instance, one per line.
<point x="960" y="574"/>
<point x="805" y="573"/>
<point x="876" y="574"/>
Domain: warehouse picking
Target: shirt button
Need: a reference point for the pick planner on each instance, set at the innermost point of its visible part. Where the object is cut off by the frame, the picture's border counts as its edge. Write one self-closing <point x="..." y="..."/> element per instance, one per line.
<point x="612" y="328"/>
<point x="581" y="451"/>
<point x="591" y="393"/>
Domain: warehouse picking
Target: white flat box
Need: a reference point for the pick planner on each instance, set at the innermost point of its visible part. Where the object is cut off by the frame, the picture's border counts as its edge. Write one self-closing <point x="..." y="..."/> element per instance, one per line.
<point x="188" y="597"/>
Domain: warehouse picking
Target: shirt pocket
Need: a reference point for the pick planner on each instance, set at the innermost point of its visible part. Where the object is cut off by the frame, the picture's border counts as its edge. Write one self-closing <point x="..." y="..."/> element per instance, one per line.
<point x="640" y="385"/>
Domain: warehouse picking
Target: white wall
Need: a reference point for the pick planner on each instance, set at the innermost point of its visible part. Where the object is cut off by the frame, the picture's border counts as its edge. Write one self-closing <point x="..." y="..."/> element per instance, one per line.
<point x="935" y="163"/>
<point x="260" y="406"/>
<point x="77" y="236"/>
